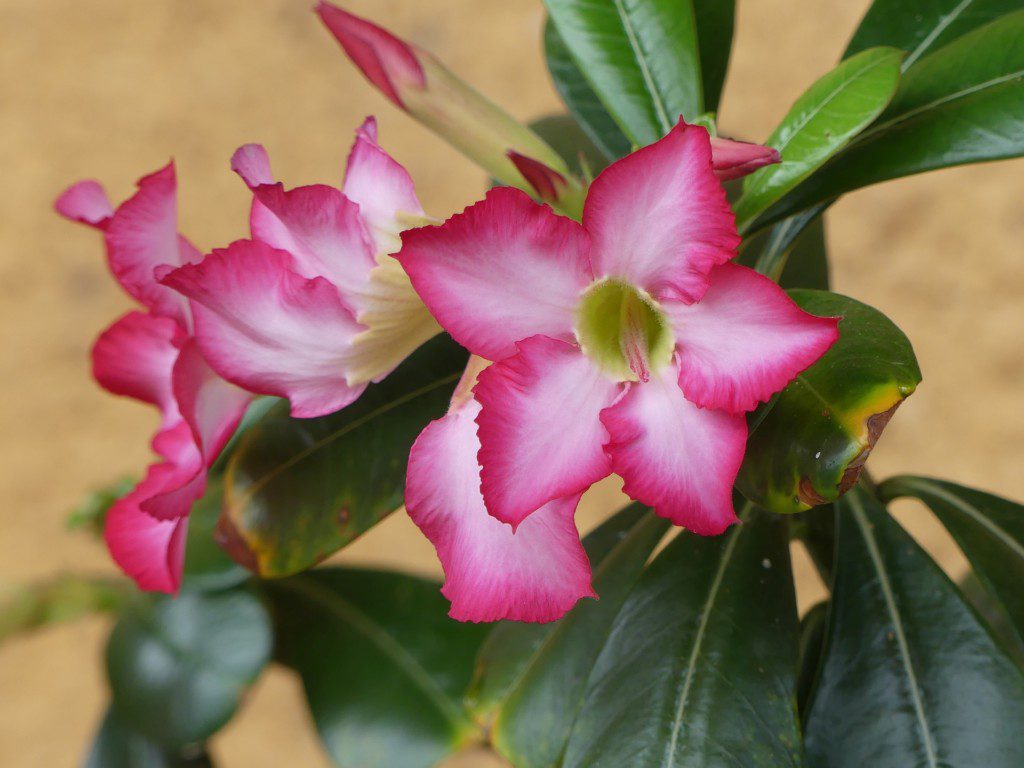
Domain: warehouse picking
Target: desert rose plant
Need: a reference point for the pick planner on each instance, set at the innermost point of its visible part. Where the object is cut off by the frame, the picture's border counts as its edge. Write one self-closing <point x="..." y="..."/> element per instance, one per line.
<point x="635" y="295"/>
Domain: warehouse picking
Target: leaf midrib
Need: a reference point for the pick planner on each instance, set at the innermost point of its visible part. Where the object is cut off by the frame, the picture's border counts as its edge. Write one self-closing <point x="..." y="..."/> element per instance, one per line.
<point x="937" y="30"/>
<point x="698" y="641"/>
<point x="638" y="54"/>
<point x="345" y="611"/>
<point x="897" y="622"/>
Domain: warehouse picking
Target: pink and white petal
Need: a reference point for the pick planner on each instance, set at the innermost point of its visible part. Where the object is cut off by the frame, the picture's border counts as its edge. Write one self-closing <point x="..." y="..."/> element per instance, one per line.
<point x="85" y="202"/>
<point x="535" y="574"/>
<point x="251" y="162"/>
<point x="321" y="228"/>
<point x="744" y="340"/>
<point x="176" y="487"/>
<point x="176" y="444"/>
<point x="267" y="329"/>
<point x="540" y="430"/>
<point x="659" y="219"/>
<point x="380" y="187"/>
<point x="134" y="357"/>
<point x="679" y="459"/>
<point x="150" y="551"/>
<point x="143" y="235"/>
<point x="501" y="271"/>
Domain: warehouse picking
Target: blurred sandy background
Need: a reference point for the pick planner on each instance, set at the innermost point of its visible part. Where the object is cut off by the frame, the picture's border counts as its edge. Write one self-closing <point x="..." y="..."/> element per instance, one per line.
<point x="112" y="88"/>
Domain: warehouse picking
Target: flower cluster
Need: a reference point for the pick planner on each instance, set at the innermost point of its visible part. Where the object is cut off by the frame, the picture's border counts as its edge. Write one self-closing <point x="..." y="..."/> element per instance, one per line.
<point x="628" y="342"/>
<point x="311" y="308"/>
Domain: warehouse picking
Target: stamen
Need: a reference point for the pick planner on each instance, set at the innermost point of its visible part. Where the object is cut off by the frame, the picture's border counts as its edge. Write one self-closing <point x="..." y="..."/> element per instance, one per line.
<point x="634" y="339"/>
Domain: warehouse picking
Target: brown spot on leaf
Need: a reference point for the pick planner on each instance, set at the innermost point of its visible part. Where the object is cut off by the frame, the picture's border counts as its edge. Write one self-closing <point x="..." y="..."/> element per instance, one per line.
<point x="231" y="541"/>
<point x="876" y="424"/>
<point x="806" y="494"/>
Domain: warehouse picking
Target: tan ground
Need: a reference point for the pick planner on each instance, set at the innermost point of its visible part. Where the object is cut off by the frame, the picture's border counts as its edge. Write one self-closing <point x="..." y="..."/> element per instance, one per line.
<point x="111" y="88"/>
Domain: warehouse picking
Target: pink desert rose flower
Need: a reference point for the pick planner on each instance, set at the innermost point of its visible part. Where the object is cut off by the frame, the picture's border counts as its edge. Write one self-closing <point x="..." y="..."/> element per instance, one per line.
<point x="313" y="307"/>
<point x="628" y="344"/>
<point x="152" y="357"/>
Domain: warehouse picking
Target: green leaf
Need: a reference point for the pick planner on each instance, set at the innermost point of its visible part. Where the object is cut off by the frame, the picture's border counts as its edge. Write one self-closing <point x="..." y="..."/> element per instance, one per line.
<point x="919" y="27"/>
<point x="715" y="20"/>
<point x="816" y="528"/>
<point x="910" y="676"/>
<point x="820" y="123"/>
<point x="792" y="252"/>
<point x="571" y="142"/>
<point x="539" y="708"/>
<point x="207" y="565"/>
<point x="807" y="446"/>
<point x="989" y="530"/>
<point x="62" y="598"/>
<point x="179" y="666"/>
<point x="581" y="101"/>
<point x="963" y="103"/>
<point x="812" y="643"/>
<point x="117" y="746"/>
<point x="639" y="56"/>
<point x="700" y="665"/>
<point x="511" y="646"/>
<point x="383" y="667"/>
<point x="92" y="512"/>
<point x="297" y="490"/>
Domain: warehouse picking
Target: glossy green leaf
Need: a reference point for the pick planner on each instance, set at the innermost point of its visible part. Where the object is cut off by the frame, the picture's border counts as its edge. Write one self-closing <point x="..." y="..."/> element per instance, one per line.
<point x="715" y="20"/>
<point x="639" y="56"/>
<point x="383" y="666"/>
<point x="62" y="598"/>
<point x="793" y="252"/>
<point x="117" y="746"/>
<point x="207" y="565"/>
<point x="540" y="707"/>
<point x="812" y="644"/>
<point x="963" y="103"/>
<point x="699" y="669"/>
<point x="297" y="490"/>
<point x="807" y="446"/>
<point x="820" y="123"/>
<point x="511" y="646"/>
<point x="921" y="26"/>
<point x="816" y="528"/>
<point x="179" y="666"/>
<point x="910" y="676"/>
<point x="582" y="102"/>
<point x="989" y="530"/>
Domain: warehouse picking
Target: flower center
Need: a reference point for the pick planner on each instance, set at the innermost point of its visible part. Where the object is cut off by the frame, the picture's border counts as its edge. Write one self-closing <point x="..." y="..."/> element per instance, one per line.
<point x="623" y="330"/>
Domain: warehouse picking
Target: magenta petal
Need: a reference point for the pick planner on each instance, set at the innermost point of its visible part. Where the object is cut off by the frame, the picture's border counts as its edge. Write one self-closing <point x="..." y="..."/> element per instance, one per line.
<point x="535" y="574"/>
<point x="150" y="551"/>
<point x="386" y="61"/>
<point x="679" y="459"/>
<point x="321" y="229"/>
<point x="85" y="202"/>
<point x="251" y="162"/>
<point x="540" y="430"/>
<point x="501" y="271"/>
<point x="744" y="340"/>
<point x="142" y="235"/>
<point x="264" y="327"/>
<point x="134" y="357"/>
<point x="659" y="219"/>
<point x="380" y="187"/>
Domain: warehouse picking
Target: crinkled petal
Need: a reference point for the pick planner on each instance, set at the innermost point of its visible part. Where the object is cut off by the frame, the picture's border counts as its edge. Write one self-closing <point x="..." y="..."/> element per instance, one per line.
<point x="679" y="459"/>
<point x="744" y="340"/>
<point x="381" y="188"/>
<point x="142" y="235"/>
<point x="150" y="551"/>
<point x="540" y="427"/>
<point x="212" y="409"/>
<point x="85" y="202"/>
<point x="251" y="162"/>
<point x="264" y="327"/>
<point x="535" y="574"/>
<point x="659" y="219"/>
<point x="134" y="357"/>
<point x="503" y="270"/>
<point x="321" y="228"/>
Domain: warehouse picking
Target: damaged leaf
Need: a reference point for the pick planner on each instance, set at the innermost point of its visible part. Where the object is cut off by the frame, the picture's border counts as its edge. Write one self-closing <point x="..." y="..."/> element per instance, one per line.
<point x="297" y="490"/>
<point x="809" y="444"/>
